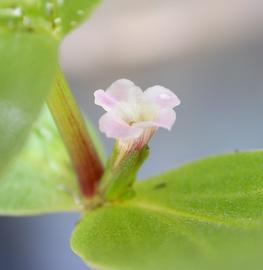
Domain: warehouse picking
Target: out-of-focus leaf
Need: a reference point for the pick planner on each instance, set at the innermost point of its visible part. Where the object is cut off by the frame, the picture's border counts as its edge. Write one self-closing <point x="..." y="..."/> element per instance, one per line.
<point x="54" y="16"/>
<point x="29" y="30"/>
<point x="41" y="179"/>
<point x="72" y="13"/>
<point x="205" y="215"/>
<point x="27" y="66"/>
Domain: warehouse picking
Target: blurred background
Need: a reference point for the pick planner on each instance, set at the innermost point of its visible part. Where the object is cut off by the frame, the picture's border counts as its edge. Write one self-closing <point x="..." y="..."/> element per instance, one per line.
<point x="209" y="52"/>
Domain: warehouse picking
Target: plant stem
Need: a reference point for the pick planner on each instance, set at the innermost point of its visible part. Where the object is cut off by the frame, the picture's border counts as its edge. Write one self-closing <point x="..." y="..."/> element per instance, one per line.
<point x="73" y="130"/>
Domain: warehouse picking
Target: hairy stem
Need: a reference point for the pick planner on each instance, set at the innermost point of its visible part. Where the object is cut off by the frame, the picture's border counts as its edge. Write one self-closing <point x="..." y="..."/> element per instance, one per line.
<point x="73" y="130"/>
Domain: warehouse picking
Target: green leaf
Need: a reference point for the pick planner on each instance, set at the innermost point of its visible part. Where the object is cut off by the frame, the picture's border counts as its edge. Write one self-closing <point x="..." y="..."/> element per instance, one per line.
<point x="27" y="70"/>
<point x="57" y="17"/>
<point x="205" y="215"/>
<point x="28" y="54"/>
<point x="41" y="179"/>
<point x="72" y="13"/>
<point x="29" y="30"/>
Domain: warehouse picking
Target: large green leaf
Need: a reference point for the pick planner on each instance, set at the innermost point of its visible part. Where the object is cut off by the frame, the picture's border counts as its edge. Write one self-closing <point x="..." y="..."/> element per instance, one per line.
<point x="206" y="215"/>
<point x="41" y="179"/>
<point x="27" y="65"/>
<point x="29" y="30"/>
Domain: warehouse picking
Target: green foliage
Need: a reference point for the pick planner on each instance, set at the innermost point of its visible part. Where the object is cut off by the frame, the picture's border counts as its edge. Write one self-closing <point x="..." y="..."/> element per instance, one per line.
<point x="205" y="215"/>
<point x="72" y="13"/>
<point x="29" y="34"/>
<point x="41" y="179"/>
<point x="27" y="69"/>
<point x="53" y="16"/>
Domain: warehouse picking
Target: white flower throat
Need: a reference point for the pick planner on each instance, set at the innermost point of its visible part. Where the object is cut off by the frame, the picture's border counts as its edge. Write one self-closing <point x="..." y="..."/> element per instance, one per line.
<point x="136" y="111"/>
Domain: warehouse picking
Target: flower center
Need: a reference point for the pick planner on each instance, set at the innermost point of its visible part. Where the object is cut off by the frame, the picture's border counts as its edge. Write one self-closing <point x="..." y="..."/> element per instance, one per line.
<point x="136" y="112"/>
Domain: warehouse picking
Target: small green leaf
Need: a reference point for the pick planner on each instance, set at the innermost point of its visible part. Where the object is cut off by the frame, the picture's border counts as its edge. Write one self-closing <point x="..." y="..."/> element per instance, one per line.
<point x="27" y="70"/>
<point x="41" y="179"/>
<point x="205" y="215"/>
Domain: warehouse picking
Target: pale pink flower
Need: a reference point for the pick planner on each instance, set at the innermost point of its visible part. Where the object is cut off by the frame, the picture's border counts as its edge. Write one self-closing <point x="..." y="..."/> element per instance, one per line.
<point x="132" y="114"/>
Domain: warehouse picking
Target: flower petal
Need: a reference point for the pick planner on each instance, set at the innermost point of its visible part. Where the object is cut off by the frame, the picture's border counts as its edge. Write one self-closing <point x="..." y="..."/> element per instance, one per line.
<point x="124" y="90"/>
<point x="162" y="96"/>
<point x="104" y="100"/>
<point x="144" y="124"/>
<point x="117" y="128"/>
<point x="165" y="119"/>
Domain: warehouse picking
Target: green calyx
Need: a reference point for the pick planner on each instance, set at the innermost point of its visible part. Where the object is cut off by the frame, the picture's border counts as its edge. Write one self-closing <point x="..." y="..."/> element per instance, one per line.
<point x="120" y="175"/>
